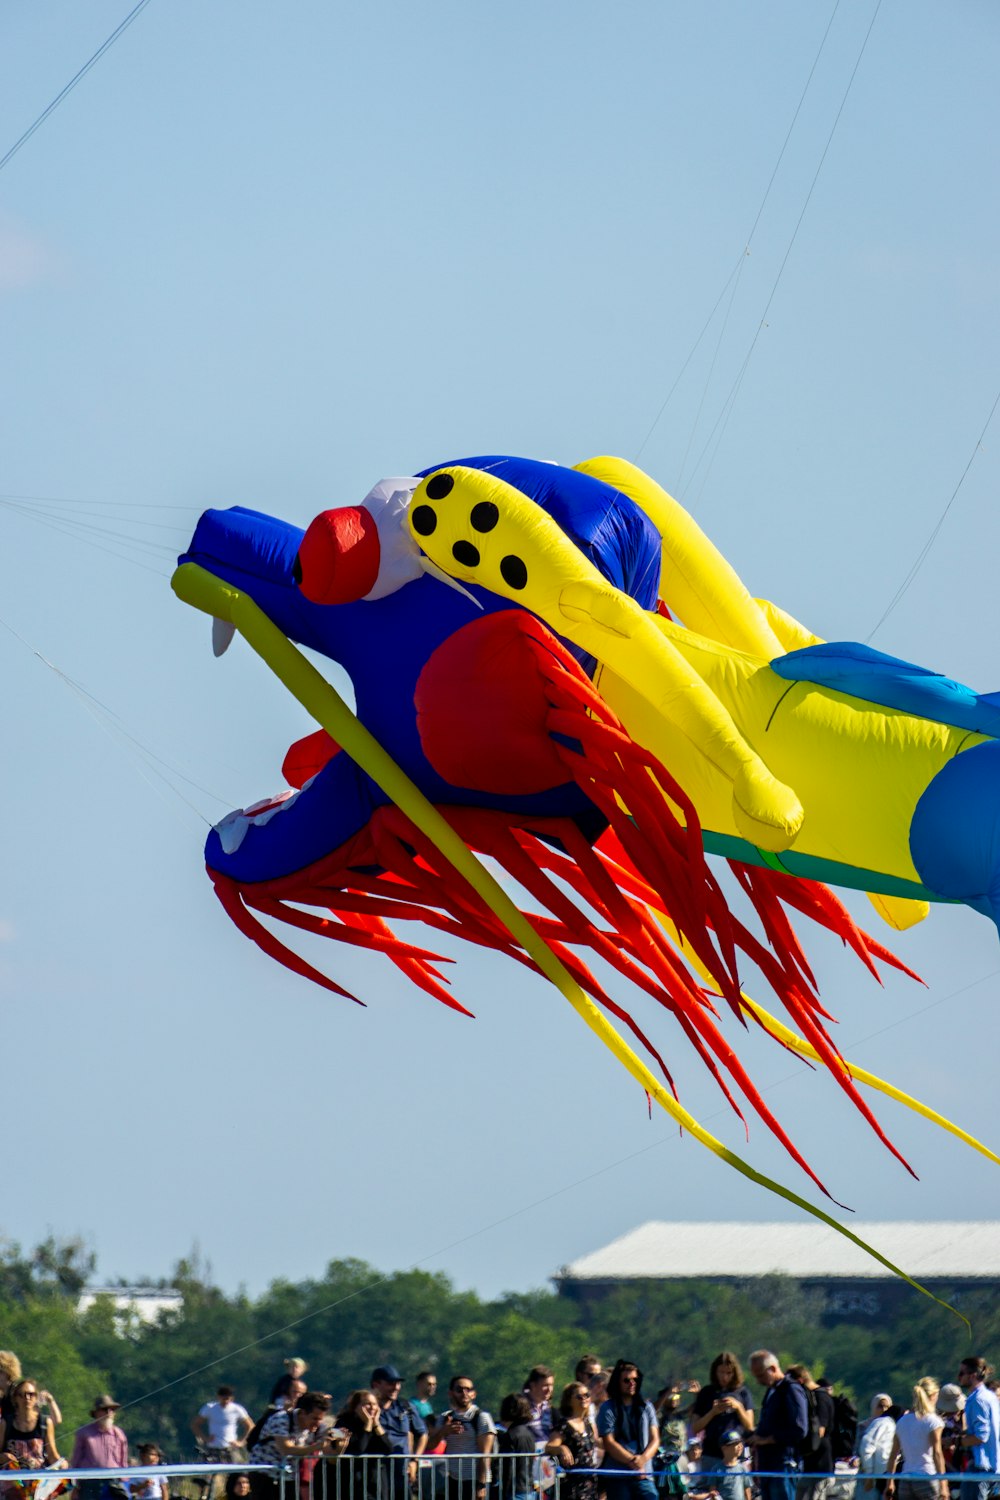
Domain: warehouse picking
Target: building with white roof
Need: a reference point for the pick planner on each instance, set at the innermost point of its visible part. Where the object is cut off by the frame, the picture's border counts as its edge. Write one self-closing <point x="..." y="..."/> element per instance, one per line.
<point x="947" y="1256"/>
<point x="145" y="1302"/>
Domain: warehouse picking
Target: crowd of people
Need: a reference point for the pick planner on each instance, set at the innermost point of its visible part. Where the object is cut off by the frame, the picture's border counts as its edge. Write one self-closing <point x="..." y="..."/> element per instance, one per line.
<point x="791" y="1438"/>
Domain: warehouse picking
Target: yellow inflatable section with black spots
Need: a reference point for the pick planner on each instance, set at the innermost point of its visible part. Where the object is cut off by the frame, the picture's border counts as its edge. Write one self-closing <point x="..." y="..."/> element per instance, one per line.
<point x="523" y="555"/>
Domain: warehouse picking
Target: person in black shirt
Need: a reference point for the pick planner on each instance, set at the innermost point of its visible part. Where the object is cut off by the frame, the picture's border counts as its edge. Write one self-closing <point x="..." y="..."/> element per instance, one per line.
<point x="722" y="1404"/>
<point x="816" y="1460"/>
<point x="515" y="1476"/>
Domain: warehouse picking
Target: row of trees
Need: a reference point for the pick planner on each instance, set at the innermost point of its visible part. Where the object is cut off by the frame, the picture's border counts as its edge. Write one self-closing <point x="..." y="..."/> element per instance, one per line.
<point x="355" y="1317"/>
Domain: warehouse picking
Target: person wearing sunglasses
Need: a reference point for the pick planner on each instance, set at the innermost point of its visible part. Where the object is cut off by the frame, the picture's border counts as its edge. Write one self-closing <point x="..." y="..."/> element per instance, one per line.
<point x="574" y="1443"/>
<point x="628" y="1427"/>
<point x="469" y="1436"/>
<point x="27" y="1439"/>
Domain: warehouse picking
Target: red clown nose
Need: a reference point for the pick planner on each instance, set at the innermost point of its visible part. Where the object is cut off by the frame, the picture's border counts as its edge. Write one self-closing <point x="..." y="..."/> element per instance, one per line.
<point x="339" y="558"/>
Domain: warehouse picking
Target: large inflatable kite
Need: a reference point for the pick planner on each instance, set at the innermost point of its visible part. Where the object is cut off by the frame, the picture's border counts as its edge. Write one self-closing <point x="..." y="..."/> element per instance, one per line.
<point x="554" y="667"/>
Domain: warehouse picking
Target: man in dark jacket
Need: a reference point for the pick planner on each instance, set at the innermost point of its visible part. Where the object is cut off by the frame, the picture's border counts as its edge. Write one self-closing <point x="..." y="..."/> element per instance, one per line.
<point x="782" y="1428"/>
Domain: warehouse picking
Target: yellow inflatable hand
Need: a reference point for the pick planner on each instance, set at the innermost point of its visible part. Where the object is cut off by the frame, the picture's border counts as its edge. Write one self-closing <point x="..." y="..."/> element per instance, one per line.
<point x="481" y="530"/>
<point x="708" y="595"/>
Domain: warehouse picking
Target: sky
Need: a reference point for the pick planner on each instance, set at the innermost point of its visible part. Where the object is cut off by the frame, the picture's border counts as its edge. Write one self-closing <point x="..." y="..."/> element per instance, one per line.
<point x="265" y="255"/>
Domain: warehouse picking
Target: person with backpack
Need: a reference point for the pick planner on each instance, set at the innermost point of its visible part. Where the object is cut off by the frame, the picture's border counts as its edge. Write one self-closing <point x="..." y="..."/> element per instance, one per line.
<point x="299" y="1433"/>
<point x="817" y="1451"/>
<point x="782" y="1428"/>
<point x="469" y="1434"/>
<point x="844" y="1434"/>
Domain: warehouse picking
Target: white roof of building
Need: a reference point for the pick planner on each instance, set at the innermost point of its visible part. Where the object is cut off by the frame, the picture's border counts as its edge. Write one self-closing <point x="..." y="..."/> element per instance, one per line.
<point x="146" y="1301"/>
<point x="656" y="1250"/>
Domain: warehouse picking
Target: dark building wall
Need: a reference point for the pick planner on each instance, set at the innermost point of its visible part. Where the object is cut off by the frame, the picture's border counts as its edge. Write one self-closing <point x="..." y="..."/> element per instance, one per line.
<point x="839" y="1298"/>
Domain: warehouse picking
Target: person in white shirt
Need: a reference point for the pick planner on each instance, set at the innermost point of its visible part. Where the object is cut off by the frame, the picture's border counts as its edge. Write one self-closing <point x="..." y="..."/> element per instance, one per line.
<point x="221" y="1426"/>
<point x="875" y="1441"/>
<point x="918" y="1443"/>
<point x="148" y="1488"/>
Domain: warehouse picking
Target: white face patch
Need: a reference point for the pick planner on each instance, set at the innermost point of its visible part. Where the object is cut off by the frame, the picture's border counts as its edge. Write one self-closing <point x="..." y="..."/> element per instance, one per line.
<point x="400" y="559"/>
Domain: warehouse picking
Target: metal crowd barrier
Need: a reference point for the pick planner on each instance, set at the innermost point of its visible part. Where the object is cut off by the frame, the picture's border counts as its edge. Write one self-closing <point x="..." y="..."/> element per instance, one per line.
<point x="505" y="1476"/>
<point x="396" y="1476"/>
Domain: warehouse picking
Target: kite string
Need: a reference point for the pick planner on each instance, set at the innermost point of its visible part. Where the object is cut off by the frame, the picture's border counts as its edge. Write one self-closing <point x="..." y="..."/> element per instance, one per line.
<point x="728" y="404"/>
<point x="110" y="723"/>
<point x="534" y="1204"/>
<point x="924" y="552"/>
<point x="78" y="77"/>
<point x="109" y="539"/>
<point x="737" y="270"/>
<point x="74" y="531"/>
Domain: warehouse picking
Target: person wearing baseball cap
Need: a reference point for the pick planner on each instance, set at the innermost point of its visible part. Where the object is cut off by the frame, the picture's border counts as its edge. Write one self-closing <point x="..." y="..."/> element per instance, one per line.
<point x="731" y="1481"/>
<point x="404" y="1428"/>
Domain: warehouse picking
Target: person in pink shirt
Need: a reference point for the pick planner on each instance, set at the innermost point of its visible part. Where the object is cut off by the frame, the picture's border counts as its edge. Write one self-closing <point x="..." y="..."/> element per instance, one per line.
<point x="99" y="1445"/>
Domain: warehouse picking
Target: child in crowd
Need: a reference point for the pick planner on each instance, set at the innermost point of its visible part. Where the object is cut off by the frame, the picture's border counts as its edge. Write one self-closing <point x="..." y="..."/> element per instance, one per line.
<point x="149" y="1488"/>
<point x="729" y="1483"/>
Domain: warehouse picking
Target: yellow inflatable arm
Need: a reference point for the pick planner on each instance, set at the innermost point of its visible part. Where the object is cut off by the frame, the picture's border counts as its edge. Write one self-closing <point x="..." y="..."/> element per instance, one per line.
<point x="481" y="530"/>
<point x="790" y="633"/>
<point x="696" y="582"/>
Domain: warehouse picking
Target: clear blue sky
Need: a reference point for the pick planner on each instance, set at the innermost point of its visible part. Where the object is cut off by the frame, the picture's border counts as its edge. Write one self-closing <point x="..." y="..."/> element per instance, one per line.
<point x="267" y="254"/>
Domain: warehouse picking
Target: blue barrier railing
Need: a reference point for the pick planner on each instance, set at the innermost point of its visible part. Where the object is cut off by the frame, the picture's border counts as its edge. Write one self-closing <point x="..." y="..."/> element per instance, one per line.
<point x="288" y="1474"/>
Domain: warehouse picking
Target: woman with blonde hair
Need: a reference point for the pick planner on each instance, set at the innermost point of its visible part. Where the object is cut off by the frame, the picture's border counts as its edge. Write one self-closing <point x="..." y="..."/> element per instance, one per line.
<point x="917" y="1442"/>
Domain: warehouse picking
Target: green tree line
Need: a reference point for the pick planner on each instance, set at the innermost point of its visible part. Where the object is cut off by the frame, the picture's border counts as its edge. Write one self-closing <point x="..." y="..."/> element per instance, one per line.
<point x="356" y="1317"/>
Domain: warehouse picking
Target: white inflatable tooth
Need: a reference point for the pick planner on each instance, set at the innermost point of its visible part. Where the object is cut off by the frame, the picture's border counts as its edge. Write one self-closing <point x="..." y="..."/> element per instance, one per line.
<point x="222" y="634"/>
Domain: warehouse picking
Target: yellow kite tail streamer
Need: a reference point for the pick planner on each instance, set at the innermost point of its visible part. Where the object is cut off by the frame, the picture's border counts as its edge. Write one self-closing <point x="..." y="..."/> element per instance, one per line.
<point x="696" y="581"/>
<point x="796" y="1043"/>
<point x="201" y="589"/>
